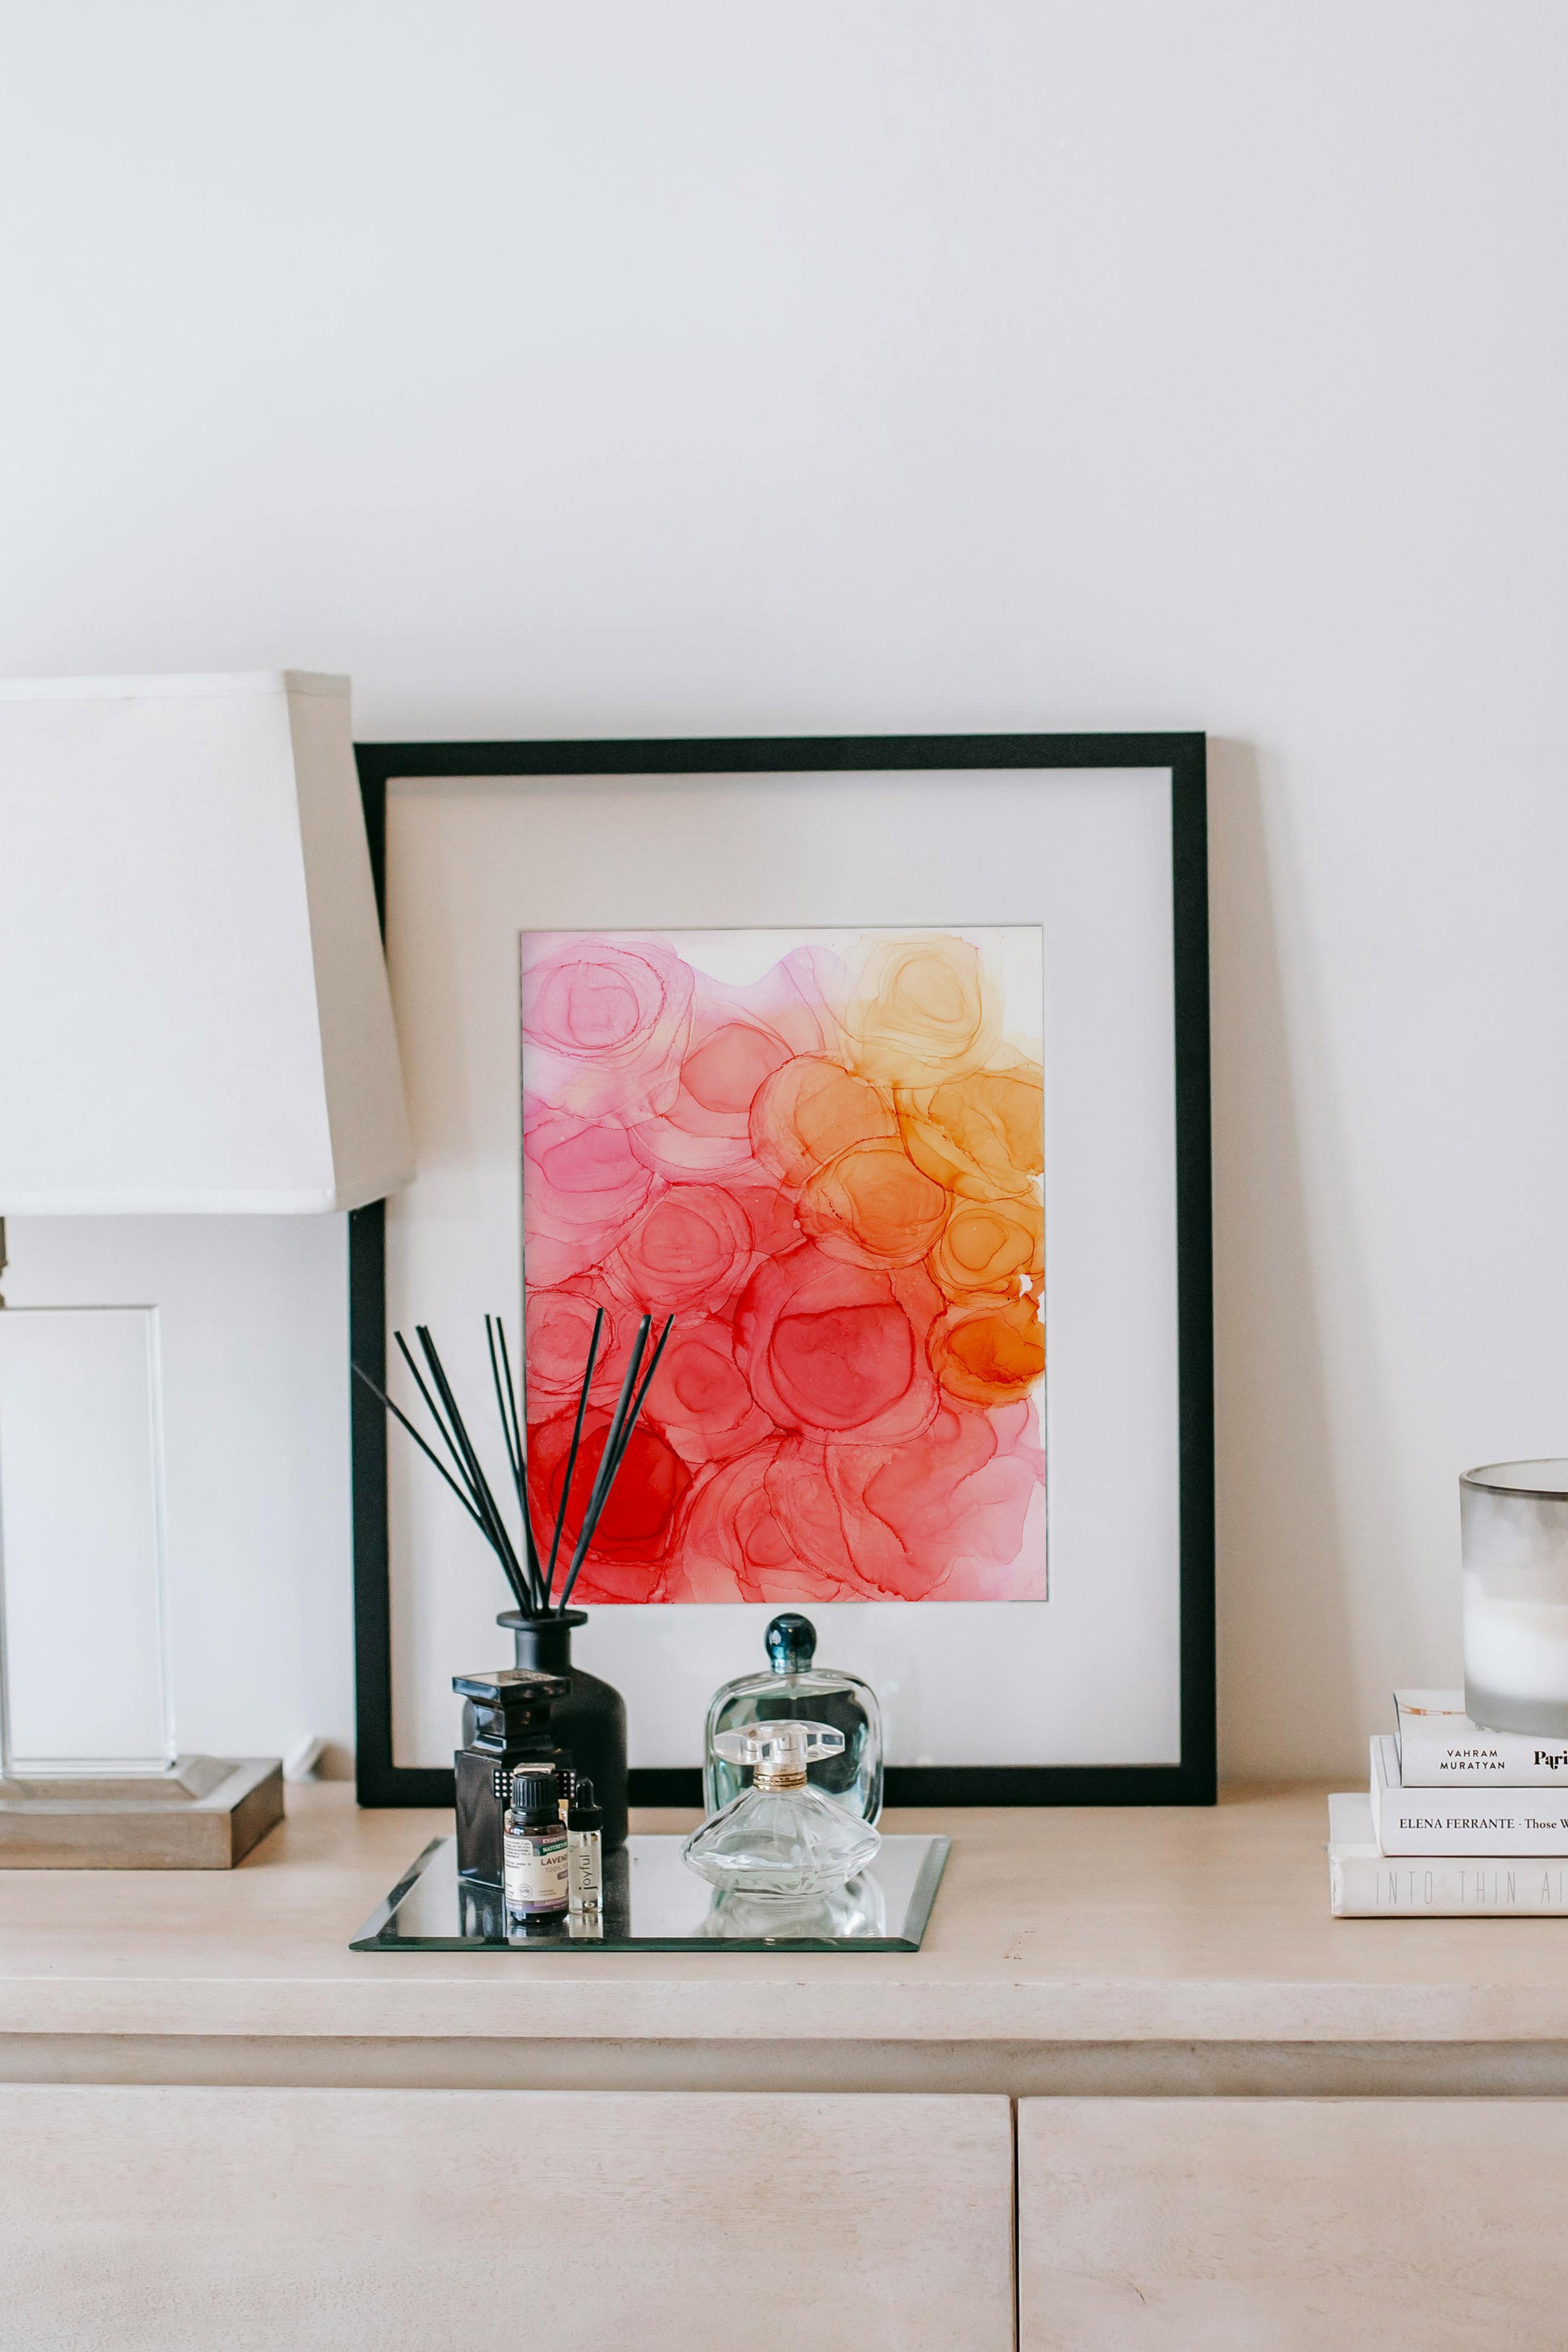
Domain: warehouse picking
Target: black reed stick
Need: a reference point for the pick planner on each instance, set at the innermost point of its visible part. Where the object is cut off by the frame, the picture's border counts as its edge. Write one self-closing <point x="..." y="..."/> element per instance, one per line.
<point x="484" y="1499"/>
<point x="617" y="1439"/>
<point x="512" y="1437"/>
<point x="604" y="1471"/>
<point x="519" y="1449"/>
<point x="481" y="1486"/>
<point x="434" y="1410"/>
<point x="459" y="1454"/>
<point x="504" y="1415"/>
<point x="453" y="1427"/>
<point x="647" y="1384"/>
<point x="572" y="1456"/>
<point x="622" y="1440"/>
<point x="520" y="1452"/>
<point x="429" y="1451"/>
<point x="615" y="1450"/>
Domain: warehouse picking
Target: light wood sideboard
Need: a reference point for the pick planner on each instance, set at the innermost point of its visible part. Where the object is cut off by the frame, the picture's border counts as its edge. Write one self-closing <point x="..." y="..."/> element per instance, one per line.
<point x="1293" y="2225"/>
<point x="1138" y="2090"/>
<point x="179" y="2220"/>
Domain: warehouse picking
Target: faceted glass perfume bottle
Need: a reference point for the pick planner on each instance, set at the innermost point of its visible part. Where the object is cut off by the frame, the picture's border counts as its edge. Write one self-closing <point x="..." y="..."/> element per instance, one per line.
<point x="859" y="1907"/>
<point x="792" y="1687"/>
<point x="780" y="1836"/>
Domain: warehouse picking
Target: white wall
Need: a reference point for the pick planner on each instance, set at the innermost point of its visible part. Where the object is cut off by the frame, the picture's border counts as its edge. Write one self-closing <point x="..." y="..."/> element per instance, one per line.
<point x="912" y="363"/>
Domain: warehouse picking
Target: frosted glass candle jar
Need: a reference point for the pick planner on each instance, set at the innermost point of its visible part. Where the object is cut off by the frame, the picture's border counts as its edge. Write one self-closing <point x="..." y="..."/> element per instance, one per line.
<point x="1514" y="1519"/>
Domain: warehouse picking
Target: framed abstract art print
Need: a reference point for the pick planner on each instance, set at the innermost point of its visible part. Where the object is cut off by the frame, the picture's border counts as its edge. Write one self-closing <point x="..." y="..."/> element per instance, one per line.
<point x="881" y="1066"/>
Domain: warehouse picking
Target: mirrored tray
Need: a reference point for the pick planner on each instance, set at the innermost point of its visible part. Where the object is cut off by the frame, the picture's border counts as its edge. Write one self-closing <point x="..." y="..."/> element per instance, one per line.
<point x="654" y="1904"/>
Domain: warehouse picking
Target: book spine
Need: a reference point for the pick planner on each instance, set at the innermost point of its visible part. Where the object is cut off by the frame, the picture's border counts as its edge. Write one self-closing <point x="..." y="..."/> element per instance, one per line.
<point x="1445" y="1831"/>
<point x="1379" y="1887"/>
<point x="1510" y="1761"/>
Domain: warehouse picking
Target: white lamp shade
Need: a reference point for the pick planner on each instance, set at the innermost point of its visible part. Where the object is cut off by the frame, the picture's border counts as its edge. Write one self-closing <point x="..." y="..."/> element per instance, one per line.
<point x="194" y="1007"/>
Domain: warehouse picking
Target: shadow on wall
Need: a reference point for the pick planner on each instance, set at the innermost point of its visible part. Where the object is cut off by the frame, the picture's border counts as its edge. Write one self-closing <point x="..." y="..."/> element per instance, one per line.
<point x="1287" y="1701"/>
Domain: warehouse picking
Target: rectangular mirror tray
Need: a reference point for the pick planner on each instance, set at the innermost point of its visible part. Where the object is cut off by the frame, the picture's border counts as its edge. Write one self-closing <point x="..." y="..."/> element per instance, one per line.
<point x="654" y="1904"/>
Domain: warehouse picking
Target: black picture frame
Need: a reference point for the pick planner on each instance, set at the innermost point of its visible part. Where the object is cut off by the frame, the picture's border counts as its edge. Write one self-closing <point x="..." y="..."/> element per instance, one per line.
<point x="1189" y="1781"/>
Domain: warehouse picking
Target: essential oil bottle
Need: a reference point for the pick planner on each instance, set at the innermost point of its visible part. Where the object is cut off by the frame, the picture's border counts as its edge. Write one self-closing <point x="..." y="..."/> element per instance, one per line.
<point x="584" y="1849"/>
<point x="537" y="1883"/>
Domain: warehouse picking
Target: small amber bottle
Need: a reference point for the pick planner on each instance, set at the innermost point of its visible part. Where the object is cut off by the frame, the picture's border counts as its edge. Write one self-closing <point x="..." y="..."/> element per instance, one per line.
<point x="537" y="1882"/>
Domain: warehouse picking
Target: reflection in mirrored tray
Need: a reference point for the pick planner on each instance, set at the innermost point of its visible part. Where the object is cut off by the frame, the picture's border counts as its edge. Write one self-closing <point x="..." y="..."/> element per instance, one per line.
<point x="654" y="1904"/>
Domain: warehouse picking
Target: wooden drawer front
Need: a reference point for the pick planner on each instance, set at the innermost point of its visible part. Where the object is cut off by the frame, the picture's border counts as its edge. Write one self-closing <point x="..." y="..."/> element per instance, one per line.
<point x="295" y="2220"/>
<point x="1293" y="2225"/>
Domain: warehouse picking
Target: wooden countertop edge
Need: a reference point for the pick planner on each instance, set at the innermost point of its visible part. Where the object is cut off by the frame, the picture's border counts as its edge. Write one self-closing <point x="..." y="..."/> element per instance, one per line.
<point x="775" y="2010"/>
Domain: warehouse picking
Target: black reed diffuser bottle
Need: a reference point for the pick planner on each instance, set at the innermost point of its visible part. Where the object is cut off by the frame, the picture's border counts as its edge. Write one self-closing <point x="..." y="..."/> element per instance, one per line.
<point x="590" y="1721"/>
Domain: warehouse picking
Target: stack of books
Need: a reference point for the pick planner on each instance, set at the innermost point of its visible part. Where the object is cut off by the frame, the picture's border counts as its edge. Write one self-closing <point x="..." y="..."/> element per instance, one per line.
<point x="1457" y="1822"/>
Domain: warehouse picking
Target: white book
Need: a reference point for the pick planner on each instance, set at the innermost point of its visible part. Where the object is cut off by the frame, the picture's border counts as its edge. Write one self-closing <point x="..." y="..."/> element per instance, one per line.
<point x="1440" y="1748"/>
<point x="1462" y="1821"/>
<point x="1367" y="1885"/>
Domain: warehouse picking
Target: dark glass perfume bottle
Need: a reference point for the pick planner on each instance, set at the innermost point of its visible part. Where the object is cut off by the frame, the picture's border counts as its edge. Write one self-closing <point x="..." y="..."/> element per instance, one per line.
<point x="506" y="1726"/>
<point x="481" y="1911"/>
<point x="791" y="1687"/>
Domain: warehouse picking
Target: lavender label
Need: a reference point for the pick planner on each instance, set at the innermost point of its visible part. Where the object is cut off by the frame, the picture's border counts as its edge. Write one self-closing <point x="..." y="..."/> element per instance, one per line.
<point x="536" y="1871"/>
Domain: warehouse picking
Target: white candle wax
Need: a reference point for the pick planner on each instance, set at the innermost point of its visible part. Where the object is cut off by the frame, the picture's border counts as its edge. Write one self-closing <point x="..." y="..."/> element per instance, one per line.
<point x="1516" y="1648"/>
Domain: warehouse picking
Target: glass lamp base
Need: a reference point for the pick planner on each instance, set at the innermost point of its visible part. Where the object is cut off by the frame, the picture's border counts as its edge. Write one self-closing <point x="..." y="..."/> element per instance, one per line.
<point x="83" y="1687"/>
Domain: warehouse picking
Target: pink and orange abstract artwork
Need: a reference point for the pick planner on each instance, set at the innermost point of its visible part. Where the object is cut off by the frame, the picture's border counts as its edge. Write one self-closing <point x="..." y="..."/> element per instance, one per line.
<point x="823" y="1153"/>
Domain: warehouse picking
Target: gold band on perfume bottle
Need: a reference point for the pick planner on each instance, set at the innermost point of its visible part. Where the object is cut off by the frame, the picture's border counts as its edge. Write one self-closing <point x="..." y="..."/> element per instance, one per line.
<point x="762" y="1779"/>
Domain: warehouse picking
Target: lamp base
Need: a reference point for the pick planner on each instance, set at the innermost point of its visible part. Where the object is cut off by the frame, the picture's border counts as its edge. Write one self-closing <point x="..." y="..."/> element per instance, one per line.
<point x="205" y="1814"/>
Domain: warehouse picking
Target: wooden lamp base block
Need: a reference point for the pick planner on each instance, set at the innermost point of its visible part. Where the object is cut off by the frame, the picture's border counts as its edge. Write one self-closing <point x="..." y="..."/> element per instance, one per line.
<point x="205" y="1814"/>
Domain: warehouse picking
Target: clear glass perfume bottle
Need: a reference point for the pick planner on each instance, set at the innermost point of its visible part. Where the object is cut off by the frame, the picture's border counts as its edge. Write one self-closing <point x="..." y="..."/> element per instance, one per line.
<point x="858" y="1908"/>
<point x="780" y="1836"/>
<point x="792" y="1687"/>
